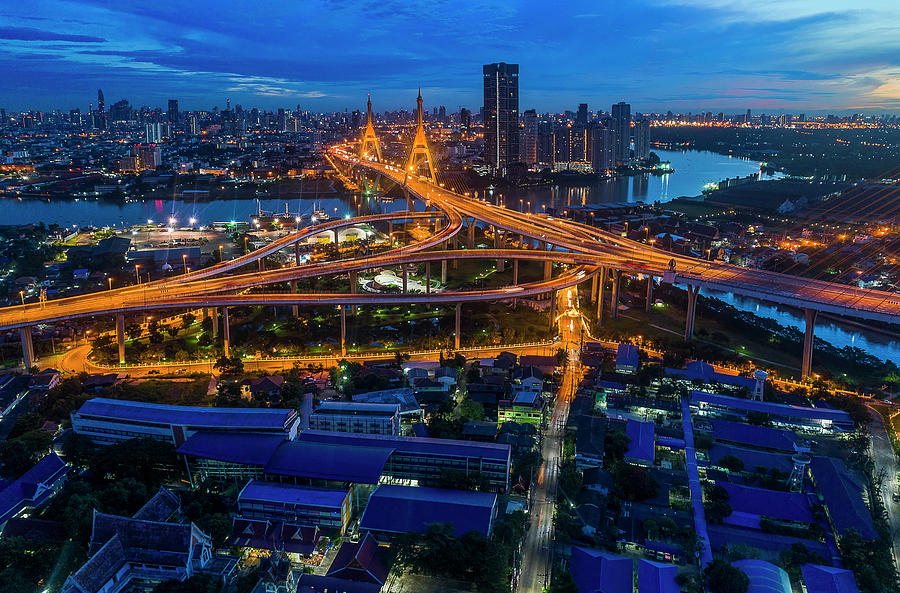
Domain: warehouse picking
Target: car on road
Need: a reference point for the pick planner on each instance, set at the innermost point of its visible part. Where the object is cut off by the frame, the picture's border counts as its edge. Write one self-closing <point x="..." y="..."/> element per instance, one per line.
<point x="896" y="496"/>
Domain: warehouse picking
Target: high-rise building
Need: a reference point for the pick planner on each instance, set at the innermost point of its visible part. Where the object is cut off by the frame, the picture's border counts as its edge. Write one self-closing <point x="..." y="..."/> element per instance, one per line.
<point x="642" y="138"/>
<point x="582" y="117"/>
<point x="192" y="127"/>
<point x="501" y="114"/>
<point x="173" y="112"/>
<point x="153" y="133"/>
<point x="465" y="118"/>
<point x="603" y="149"/>
<point x="621" y="113"/>
<point x="101" y="111"/>
<point x="529" y="137"/>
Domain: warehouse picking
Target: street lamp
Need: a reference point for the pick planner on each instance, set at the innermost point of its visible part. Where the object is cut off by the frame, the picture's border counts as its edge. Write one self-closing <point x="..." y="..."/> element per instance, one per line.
<point x="22" y="296"/>
<point x="110" y="282"/>
<point x="221" y="247"/>
<point x="137" y="275"/>
<point x="184" y="262"/>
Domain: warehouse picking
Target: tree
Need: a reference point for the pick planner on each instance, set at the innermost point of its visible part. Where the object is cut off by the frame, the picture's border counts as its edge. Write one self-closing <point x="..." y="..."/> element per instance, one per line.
<point x="634" y="483"/>
<point x="134" y="331"/>
<point x="732" y="463"/>
<point x="796" y="556"/>
<point x="562" y="582"/>
<point x="616" y="444"/>
<point x="15" y="459"/>
<point x="188" y="319"/>
<point x="172" y="330"/>
<point x="470" y="410"/>
<point x="722" y="577"/>
<point x="230" y="365"/>
<point x="78" y="449"/>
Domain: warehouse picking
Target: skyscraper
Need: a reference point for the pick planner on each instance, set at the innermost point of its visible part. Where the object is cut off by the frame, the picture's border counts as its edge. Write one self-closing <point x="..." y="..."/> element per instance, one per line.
<point x="621" y="113"/>
<point x="581" y="117"/>
<point x="501" y="114"/>
<point x="173" y="112"/>
<point x="529" y="137"/>
<point x="641" y="138"/>
<point x="153" y="133"/>
<point x="101" y="110"/>
<point x="603" y="149"/>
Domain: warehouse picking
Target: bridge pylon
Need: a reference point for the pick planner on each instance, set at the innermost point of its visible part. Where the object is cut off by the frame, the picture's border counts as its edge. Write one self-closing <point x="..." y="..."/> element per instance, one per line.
<point x="369" y="147"/>
<point x="419" y="152"/>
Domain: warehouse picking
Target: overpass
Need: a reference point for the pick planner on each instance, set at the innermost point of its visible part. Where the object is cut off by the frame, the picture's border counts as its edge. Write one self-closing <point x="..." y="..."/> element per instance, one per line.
<point x="594" y="255"/>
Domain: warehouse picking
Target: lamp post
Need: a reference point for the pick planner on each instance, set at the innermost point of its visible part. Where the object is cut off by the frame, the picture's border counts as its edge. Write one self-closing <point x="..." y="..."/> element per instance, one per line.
<point x="110" y="282"/>
<point x="137" y="275"/>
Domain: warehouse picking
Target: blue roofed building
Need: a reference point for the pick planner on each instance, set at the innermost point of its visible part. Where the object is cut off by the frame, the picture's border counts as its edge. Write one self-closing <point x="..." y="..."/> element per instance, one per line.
<point x="107" y="421"/>
<point x="750" y="505"/>
<point x="751" y="458"/>
<point x="642" y="448"/>
<point x="600" y="572"/>
<point x="362" y="561"/>
<point x="758" y="437"/>
<point x="764" y="576"/>
<point x="356" y="417"/>
<point x="656" y="577"/>
<point x="842" y="495"/>
<point x="329" y="462"/>
<point x="827" y="579"/>
<point x="302" y="505"/>
<point x="34" y="488"/>
<point x="400" y="509"/>
<point x="821" y="419"/>
<point x="628" y="358"/>
<point x="703" y="371"/>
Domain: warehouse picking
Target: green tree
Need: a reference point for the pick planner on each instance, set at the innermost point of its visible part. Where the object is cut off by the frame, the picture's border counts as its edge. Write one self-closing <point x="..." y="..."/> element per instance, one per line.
<point x="470" y="409"/>
<point x="230" y="365"/>
<point x="134" y="331"/>
<point x="616" y="444"/>
<point x="722" y="577"/>
<point x="188" y="319"/>
<point x="634" y="483"/>
<point x="732" y="463"/>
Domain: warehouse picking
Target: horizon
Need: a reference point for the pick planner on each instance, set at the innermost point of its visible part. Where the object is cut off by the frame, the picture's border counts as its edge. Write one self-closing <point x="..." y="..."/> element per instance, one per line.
<point x="670" y="55"/>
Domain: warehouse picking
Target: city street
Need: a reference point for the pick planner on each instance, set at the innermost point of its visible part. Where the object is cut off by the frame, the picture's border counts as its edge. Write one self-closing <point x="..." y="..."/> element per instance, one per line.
<point x="883" y="457"/>
<point x="537" y="555"/>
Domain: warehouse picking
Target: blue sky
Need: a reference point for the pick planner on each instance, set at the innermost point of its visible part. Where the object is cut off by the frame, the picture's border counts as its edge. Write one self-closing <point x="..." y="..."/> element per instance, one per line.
<point x="684" y="55"/>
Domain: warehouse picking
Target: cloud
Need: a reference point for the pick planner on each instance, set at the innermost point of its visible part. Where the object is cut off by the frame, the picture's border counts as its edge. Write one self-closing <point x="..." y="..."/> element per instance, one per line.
<point x="30" y="34"/>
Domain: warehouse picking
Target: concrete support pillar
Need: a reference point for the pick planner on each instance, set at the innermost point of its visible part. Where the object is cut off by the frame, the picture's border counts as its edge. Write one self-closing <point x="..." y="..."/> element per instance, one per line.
<point x="649" y="294"/>
<point x="444" y="270"/>
<point x="454" y="245"/>
<point x="692" y="292"/>
<point x="120" y="336"/>
<point x="354" y="287"/>
<point x="428" y="277"/>
<point x="297" y="253"/>
<point x="458" y="317"/>
<point x="27" y="347"/>
<point x="405" y="277"/>
<point x="470" y="235"/>
<point x="226" y="332"/>
<point x="515" y="281"/>
<point x="261" y="262"/>
<point x="343" y="330"/>
<point x="601" y="295"/>
<point x="391" y="231"/>
<point x="552" y="308"/>
<point x="295" y="309"/>
<point x="616" y="287"/>
<point x="548" y="270"/>
<point x="594" y="283"/>
<point x="214" y="313"/>
<point x="809" y="340"/>
<point x="501" y="264"/>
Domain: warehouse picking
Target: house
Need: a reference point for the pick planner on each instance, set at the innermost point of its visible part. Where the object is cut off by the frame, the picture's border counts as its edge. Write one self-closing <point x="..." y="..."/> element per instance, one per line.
<point x="598" y="480"/>
<point x="262" y="534"/>
<point x="528" y="379"/>
<point x="266" y="388"/>
<point x="526" y="407"/>
<point x="642" y="447"/>
<point x="628" y="358"/>
<point x="276" y="575"/>
<point x="396" y="509"/>
<point x="655" y="577"/>
<point x="34" y="488"/>
<point x="362" y="561"/>
<point x="449" y="376"/>
<point x="429" y="391"/>
<point x="600" y="572"/>
<point x="313" y="583"/>
<point x="827" y="579"/>
<point x="45" y="380"/>
<point x="480" y="430"/>
<point x="98" y="383"/>
<point x="132" y="553"/>
<point x="547" y="364"/>
<point x="590" y="434"/>
<point x="764" y="576"/>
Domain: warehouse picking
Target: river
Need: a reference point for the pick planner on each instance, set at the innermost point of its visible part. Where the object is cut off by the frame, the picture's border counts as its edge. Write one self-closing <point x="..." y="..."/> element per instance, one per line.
<point x="692" y="170"/>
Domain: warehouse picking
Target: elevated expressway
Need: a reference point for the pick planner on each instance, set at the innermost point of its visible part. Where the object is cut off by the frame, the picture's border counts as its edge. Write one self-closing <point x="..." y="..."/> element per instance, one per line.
<point x="631" y="257"/>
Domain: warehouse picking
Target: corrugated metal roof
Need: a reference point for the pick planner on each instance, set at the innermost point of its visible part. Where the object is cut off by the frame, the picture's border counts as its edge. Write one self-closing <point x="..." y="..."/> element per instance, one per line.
<point x="401" y="509"/>
<point x="259" y="490"/>
<point x="244" y="418"/>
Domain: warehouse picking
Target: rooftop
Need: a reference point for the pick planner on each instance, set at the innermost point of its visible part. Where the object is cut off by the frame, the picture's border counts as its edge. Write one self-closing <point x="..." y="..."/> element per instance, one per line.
<point x="758" y="436"/>
<point x="827" y="579"/>
<point x="401" y="509"/>
<point x="163" y="414"/>
<point x="259" y="490"/>
<point x="785" y="410"/>
<point x="764" y="576"/>
<point x="249" y="449"/>
<point x="642" y="440"/>
<point x="785" y="506"/>
<point x="843" y="497"/>
<point x="329" y="461"/>
<point x="410" y="444"/>
<point x="594" y="571"/>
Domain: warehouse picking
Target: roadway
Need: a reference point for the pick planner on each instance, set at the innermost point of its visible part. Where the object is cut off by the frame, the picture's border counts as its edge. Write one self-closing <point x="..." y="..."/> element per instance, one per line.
<point x="537" y="550"/>
<point x="641" y="258"/>
<point x="883" y="457"/>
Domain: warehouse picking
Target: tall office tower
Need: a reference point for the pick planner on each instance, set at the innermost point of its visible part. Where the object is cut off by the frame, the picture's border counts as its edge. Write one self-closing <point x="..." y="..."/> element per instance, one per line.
<point x="545" y="143"/>
<point x="173" y="112"/>
<point x="582" y="117"/>
<point x="562" y="144"/>
<point x="192" y="124"/>
<point x="603" y="149"/>
<point x="501" y="114"/>
<point x="465" y="118"/>
<point x="747" y="118"/>
<point x="101" y="111"/>
<point x="153" y="133"/>
<point x="641" y="138"/>
<point x="621" y="113"/>
<point x="529" y="137"/>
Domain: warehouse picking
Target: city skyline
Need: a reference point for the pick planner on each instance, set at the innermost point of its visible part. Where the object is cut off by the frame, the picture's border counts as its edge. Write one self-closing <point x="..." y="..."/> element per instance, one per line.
<point x="683" y="55"/>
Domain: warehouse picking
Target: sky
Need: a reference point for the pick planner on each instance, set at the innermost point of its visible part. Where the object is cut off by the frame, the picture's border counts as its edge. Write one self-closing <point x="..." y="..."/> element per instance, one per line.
<point x="795" y="56"/>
